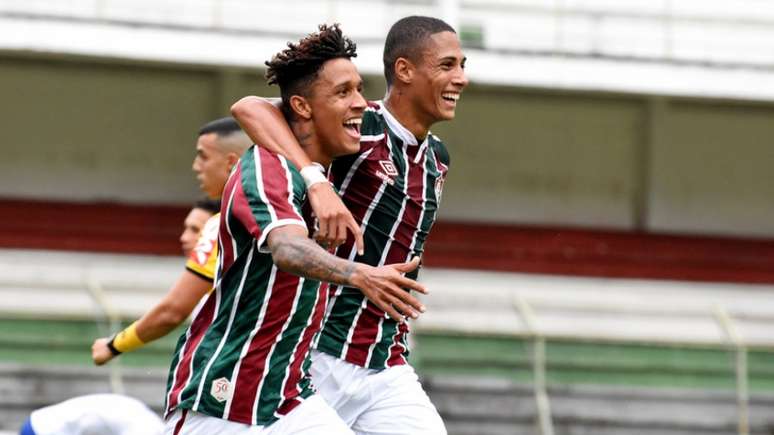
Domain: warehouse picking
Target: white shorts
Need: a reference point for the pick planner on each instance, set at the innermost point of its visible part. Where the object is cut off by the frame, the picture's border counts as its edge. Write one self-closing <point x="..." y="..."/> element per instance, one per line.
<point x="312" y="417"/>
<point x="376" y="402"/>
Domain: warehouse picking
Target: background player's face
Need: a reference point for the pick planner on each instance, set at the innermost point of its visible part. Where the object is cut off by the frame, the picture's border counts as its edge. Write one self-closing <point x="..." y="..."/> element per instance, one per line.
<point x="337" y="107"/>
<point x="212" y="165"/>
<point x="440" y="76"/>
<point x="192" y="226"/>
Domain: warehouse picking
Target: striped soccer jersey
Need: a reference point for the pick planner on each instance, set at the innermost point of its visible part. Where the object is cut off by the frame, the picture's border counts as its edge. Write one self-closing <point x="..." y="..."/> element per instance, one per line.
<point x="204" y="256"/>
<point x="244" y="357"/>
<point x="393" y="188"/>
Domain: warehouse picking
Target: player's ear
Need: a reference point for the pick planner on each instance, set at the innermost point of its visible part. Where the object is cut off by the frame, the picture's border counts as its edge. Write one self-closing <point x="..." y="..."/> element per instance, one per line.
<point x="403" y="69"/>
<point x="300" y="107"/>
<point x="232" y="159"/>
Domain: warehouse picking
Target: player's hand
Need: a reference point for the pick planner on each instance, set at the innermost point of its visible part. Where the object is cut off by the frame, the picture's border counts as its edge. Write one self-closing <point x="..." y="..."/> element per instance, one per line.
<point x="100" y="352"/>
<point x="384" y="287"/>
<point x="333" y="218"/>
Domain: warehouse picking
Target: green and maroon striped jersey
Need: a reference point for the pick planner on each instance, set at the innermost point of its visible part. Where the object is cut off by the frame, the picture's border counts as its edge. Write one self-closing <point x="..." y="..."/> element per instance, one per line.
<point x="393" y="188"/>
<point x="245" y="356"/>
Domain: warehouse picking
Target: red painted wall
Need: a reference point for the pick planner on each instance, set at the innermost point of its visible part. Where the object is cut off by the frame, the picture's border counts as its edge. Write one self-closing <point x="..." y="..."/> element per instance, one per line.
<point x="105" y="227"/>
<point x="101" y="227"/>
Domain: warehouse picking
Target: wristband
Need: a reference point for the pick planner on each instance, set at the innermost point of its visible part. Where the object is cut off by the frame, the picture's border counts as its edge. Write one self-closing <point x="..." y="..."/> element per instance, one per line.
<point x="112" y="348"/>
<point x="313" y="174"/>
<point x="127" y="340"/>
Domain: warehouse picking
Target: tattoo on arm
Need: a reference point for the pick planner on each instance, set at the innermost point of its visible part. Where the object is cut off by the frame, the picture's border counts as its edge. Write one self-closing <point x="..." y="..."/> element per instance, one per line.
<point x="302" y="256"/>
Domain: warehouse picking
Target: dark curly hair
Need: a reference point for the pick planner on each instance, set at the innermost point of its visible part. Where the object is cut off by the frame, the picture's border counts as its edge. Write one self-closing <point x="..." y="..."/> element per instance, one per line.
<point x="295" y="68"/>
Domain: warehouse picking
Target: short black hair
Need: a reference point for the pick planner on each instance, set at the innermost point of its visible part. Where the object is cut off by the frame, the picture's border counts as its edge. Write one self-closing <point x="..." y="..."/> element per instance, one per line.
<point x="222" y="126"/>
<point x="206" y="204"/>
<point x="295" y="68"/>
<point x="406" y="39"/>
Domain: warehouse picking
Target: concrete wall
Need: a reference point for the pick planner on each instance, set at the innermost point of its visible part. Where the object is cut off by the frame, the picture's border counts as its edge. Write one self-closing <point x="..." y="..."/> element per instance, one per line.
<point x="712" y="169"/>
<point x="99" y="131"/>
<point x="95" y="129"/>
<point x="536" y="157"/>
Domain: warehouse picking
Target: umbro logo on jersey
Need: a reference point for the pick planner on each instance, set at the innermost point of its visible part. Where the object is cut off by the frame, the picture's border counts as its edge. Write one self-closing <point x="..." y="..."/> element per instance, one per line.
<point x="389" y="167"/>
<point x="388" y="171"/>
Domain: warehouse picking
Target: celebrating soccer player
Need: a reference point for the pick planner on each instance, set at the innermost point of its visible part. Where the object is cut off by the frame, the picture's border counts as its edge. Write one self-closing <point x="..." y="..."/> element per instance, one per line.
<point x="242" y="365"/>
<point x="392" y="187"/>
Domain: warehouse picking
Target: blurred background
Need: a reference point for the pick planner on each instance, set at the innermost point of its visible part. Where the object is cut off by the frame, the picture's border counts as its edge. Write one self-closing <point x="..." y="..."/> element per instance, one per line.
<point x="604" y="258"/>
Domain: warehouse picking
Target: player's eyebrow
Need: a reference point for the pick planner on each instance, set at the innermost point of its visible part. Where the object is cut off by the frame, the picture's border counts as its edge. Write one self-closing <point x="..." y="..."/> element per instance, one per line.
<point x="451" y="58"/>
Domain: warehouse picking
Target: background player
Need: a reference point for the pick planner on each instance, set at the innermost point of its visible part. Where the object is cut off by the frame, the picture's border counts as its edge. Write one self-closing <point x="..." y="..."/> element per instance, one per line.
<point x="219" y="145"/>
<point x="94" y="414"/>
<point x="194" y="223"/>
<point x="393" y="187"/>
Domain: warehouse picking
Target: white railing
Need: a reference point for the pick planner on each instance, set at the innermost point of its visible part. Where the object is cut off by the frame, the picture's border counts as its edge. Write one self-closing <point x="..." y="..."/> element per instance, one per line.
<point x="732" y="317"/>
<point x="662" y="47"/>
<point x="728" y="32"/>
<point x="735" y="32"/>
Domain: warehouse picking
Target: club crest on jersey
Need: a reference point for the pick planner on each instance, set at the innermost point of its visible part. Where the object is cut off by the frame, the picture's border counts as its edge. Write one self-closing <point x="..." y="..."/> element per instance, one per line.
<point x="202" y="251"/>
<point x="221" y="389"/>
<point x="439" y="187"/>
<point x="388" y="171"/>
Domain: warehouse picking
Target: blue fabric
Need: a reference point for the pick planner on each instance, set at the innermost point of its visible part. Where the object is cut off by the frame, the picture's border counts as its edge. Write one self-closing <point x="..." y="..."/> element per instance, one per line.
<point x="27" y="428"/>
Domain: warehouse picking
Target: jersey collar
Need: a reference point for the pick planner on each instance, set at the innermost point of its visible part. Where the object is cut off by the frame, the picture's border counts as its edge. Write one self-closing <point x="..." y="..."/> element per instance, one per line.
<point x="402" y="132"/>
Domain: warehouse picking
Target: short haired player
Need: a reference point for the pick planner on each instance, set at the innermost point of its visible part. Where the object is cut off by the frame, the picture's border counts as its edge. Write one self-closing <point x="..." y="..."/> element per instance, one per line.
<point x="218" y="147"/>
<point x="392" y="187"/>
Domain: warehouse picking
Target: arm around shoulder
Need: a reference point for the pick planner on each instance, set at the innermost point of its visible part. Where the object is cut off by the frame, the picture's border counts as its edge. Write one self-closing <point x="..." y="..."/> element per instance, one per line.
<point x="264" y="123"/>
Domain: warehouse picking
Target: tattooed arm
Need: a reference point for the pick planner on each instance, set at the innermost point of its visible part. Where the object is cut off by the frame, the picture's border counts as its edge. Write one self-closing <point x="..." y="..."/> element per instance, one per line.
<point x="294" y="252"/>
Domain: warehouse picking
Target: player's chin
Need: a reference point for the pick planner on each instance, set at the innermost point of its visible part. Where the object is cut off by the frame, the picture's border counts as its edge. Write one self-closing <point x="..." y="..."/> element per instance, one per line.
<point x="212" y="193"/>
<point x="445" y="115"/>
<point x="351" y="138"/>
<point x="349" y="145"/>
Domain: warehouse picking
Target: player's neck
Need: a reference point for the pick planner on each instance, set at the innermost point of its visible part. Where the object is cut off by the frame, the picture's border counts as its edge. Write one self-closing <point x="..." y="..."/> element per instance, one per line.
<point x="400" y="106"/>
<point x="305" y="135"/>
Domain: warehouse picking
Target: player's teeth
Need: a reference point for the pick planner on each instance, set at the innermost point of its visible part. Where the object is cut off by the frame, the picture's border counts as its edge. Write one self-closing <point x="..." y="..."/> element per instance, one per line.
<point x="355" y="121"/>
<point x="454" y="97"/>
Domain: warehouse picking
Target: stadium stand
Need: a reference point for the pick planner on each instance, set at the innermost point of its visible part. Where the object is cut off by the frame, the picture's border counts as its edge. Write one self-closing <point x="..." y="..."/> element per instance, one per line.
<point x="621" y="355"/>
<point x="641" y="46"/>
<point x="615" y="342"/>
<point x="497" y="407"/>
<point x="613" y="349"/>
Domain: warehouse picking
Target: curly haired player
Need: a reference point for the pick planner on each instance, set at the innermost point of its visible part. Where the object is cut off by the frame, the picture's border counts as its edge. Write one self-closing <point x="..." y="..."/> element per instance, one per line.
<point x="242" y="366"/>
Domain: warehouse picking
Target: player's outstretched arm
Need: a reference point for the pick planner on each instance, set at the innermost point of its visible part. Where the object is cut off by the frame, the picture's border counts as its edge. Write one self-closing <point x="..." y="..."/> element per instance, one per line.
<point x="159" y="321"/>
<point x="264" y="123"/>
<point x="295" y="253"/>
